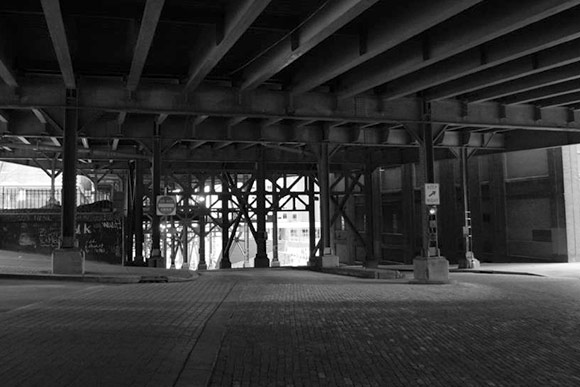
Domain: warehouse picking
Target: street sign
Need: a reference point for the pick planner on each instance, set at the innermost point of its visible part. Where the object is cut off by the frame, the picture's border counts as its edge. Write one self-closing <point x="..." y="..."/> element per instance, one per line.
<point x="432" y="194"/>
<point x="166" y="205"/>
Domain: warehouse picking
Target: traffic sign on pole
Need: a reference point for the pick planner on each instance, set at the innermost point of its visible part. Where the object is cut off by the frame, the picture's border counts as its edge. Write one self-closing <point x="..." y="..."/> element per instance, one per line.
<point x="432" y="194"/>
<point x="166" y="205"/>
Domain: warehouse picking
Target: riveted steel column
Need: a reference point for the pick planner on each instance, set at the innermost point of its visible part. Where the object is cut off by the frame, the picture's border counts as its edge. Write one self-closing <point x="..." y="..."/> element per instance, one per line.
<point x="261" y="259"/>
<point x="156" y="191"/>
<point x="225" y="262"/>
<point x="138" y="211"/>
<point x="370" y="224"/>
<point x="68" y="259"/>
<point x="69" y="173"/>
<point x="202" y="265"/>
<point x="275" y="261"/>
<point x="312" y="220"/>
<point x="323" y="171"/>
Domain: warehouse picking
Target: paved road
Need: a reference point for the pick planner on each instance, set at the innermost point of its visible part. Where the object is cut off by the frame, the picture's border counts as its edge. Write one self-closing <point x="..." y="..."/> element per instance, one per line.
<point x="16" y="293"/>
<point x="299" y="328"/>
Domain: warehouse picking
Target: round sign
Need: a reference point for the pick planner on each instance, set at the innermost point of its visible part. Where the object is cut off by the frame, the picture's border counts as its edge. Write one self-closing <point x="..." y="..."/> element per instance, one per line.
<point x="166" y="205"/>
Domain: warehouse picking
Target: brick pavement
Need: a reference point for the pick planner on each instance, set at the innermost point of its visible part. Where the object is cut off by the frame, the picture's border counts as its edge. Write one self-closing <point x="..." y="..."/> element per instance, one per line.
<point x="299" y="328"/>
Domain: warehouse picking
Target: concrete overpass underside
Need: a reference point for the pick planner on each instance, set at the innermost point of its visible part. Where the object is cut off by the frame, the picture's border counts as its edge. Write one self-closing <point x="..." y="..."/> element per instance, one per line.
<point x="329" y="90"/>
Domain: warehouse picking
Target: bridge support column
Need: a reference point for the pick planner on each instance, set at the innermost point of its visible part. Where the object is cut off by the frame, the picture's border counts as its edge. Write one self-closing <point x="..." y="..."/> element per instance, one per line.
<point x="468" y="261"/>
<point x="156" y="260"/>
<point x="202" y="265"/>
<point x="261" y="259"/>
<point x="225" y="262"/>
<point x="68" y="259"/>
<point x="430" y="267"/>
<point x="138" y="211"/>
<point x="275" y="261"/>
<point x="327" y="259"/>
<point x="312" y="221"/>
<point x="372" y="205"/>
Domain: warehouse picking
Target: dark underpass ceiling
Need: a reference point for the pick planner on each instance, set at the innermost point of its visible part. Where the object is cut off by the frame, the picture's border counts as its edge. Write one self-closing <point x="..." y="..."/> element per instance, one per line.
<point x="227" y="81"/>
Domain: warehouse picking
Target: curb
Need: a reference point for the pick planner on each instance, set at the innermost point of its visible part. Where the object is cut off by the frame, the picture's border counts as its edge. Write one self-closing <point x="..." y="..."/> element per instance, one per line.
<point x="111" y="279"/>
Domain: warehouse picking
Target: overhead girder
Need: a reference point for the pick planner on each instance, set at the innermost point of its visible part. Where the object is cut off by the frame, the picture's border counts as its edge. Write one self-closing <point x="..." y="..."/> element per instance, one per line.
<point x="220" y="40"/>
<point x="396" y="24"/>
<point x="217" y="101"/>
<point x="540" y="95"/>
<point x="324" y="22"/>
<point x="149" y="22"/>
<point x="476" y="26"/>
<point x="55" y="23"/>
<point x="552" y="65"/>
<point x="540" y="36"/>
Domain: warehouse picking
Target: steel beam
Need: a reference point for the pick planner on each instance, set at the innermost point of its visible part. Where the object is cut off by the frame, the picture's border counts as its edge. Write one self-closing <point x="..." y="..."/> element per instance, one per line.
<point x="147" y="29"/>
<point x="55" y="23"/>
<point x="396" y="25"/>
<point x="553" y="65"/>
<point x="324" y="22"/>
<point x="565" y="99"/>
<point x="546" y="34"/>
<point x="460" y="34"/>
<point x="237" y="20"/>
<point x="543" y="93"/>
<point x="220" y="101"/>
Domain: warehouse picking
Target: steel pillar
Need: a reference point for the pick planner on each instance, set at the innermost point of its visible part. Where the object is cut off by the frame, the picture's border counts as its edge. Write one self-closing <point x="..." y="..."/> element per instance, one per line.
<point x="469" y="261"/>
<point x="327" y="259"/>
<point x="185" y="224"/>
<point x="68" y="259"/>
<point x="370" y="217"/>
<point x="261" y="259"/>
<point x="225" y="262"/>
<point x="312" y="220"/>
<point x="155" y="259"/>
<point x="429" y="268"/>
<point x="69" y="179"/>
<point x="138" y="211"/>
<point x="202" y="265"/>
<point x="275" y="261"/>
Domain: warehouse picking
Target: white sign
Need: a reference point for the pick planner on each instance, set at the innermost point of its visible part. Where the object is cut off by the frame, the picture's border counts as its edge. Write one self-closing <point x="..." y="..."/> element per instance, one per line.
<point x="432" y="194"/>
<point x="166" y="205"/>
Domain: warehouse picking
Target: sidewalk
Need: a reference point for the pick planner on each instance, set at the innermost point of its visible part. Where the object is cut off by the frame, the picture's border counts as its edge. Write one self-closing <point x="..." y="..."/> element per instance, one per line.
<point x="401" y="272"/>
<point x="35" y="266"/>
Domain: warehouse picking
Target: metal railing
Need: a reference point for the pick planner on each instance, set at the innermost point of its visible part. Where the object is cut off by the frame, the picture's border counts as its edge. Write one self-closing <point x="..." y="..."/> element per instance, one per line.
<point x="15" y="198"/>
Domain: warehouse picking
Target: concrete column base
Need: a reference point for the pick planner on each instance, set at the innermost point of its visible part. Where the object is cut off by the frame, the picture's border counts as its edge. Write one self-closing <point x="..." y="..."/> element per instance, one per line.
<point x="275" y="263"/>
<point x="433" y="270"/>
<point x="68" y="261"/>
<point x="202" y="266"/>
<point x="261" y="262"/>
<point x="469" y="263"/>
<point x="329" y="261"/>
<point x="371" y="264"/>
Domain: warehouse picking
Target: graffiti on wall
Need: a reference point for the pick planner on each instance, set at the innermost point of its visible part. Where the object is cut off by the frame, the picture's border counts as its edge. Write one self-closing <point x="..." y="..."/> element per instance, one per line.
<point x="98" y="235"/>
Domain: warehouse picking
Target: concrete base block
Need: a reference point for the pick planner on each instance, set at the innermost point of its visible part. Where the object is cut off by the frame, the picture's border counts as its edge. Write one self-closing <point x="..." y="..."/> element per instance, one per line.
<point x="469" y="263"/>
<point x="431" y="270"/>
<point x="68" y="261"/>
<point x="329" y="261"/>
<point x="261" y="262"/>
<point x="275" y="263"/>
<point x="202" y="266"/>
